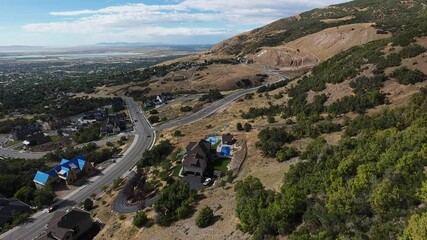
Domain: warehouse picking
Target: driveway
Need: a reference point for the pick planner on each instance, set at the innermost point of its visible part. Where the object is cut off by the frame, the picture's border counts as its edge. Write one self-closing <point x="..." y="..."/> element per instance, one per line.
<point x="194" y="181"/>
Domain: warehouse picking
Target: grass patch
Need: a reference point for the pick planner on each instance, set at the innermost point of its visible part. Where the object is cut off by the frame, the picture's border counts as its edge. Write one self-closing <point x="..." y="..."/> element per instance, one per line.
<point x="215" y="146"/>
<point x="176" y="170"/>
<point x="55" y="138"/>
<point x="221" y="164"/>
<point x="11" y="143"/>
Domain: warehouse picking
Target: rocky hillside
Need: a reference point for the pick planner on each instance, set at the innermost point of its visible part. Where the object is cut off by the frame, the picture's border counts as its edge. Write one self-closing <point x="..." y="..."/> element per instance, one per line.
<point x="389" y="16"/>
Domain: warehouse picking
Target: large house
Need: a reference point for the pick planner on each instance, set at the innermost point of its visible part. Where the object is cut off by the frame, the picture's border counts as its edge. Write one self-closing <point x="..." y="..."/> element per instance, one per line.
<point x="68" y="170"/>
<point x="68" y="225"/>
<point x="197" y="157"/>
<point x="115" y="123"/>
<point x="30" y="134"/>
<point x="9" y="208"/>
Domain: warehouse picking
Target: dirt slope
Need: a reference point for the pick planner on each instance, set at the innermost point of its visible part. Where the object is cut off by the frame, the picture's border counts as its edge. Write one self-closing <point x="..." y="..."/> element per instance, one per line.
<point x="329" y="42"/>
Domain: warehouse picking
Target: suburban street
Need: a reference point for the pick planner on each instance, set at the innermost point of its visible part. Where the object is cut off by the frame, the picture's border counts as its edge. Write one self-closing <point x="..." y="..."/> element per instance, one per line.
<point x="122" y="166"/>
<point x="144" y="139"/>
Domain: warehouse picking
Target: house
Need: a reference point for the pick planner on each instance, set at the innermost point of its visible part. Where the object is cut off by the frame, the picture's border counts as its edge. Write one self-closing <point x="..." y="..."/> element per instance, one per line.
<point x="9" y="208"/>
<point x="67" y="170"/>
<point x="93" y="116"/>
<point x="115" y="124"/>
<point x="68" y="225"/>
<point x="227" y="139"/>
<point x="164" y="97"/>
<point x="197" y="157"/>
<point x="31" y="134"/>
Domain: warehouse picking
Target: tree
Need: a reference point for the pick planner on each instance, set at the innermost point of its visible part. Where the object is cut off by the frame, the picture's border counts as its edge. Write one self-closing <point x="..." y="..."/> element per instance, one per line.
<point x="154" y="111"/>
<point x="140" y="219"/>
<point x="239" y="126"/>
<point x="154" y="119"/>
<point x="247" y="127"/>
<point x="88" y="204"/>
<point x="44" y="196"/>
<point x="25" y="194"/>
<point x="417" y="228"/>
<point x="174" y="202"/>
<point x="286" y="153"/>
<point x="271" y="119"/>
<point x="205" y="217"/>
<point x="177" y="133"/>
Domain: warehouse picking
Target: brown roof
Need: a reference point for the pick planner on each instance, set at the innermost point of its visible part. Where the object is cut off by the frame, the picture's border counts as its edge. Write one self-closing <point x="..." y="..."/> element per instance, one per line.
<point x="64" y="222"/>
<point x="197" y="154"/>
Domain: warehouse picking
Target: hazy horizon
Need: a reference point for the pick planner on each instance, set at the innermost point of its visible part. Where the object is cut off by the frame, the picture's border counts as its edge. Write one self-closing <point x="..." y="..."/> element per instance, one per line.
<point x="164" y="22"/>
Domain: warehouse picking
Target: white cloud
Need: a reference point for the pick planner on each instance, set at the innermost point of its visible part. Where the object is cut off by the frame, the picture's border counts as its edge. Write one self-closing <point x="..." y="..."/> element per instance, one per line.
<point x="140" y="21"/>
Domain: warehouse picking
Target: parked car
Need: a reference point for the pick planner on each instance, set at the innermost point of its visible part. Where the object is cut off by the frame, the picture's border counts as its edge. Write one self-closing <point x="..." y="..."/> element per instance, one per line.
<point x="207" y="181"/>
<point x="51" y="209"/>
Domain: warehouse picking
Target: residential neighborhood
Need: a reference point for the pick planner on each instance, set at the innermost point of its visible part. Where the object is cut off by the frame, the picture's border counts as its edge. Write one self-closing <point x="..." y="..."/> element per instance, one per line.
<point x="68" y="170"/>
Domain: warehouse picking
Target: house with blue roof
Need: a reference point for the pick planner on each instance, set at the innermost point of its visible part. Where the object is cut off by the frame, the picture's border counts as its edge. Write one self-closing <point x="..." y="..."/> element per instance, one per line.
<point x="67" y="170"/>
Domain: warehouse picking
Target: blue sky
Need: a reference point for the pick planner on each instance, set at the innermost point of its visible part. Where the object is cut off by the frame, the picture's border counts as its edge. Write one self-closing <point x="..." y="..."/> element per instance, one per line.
<point x="87" y="22"/>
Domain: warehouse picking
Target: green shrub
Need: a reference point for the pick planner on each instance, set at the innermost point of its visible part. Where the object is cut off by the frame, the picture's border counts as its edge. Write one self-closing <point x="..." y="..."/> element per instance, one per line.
<point x="186" y="109"/>
<point x="205" y="217"/>
<point x="407" y="76"/>
<point x="286" y="153"/>
<point x="140" y="219"/>
<point x="88" y="204"/>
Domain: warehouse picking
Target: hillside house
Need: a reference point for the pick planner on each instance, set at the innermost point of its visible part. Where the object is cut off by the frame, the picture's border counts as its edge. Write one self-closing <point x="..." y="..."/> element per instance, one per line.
<point x="197" y="158"/>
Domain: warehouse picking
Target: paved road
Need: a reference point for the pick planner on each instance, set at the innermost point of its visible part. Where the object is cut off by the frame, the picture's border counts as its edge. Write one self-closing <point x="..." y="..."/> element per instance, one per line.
<point x="206" y="112"/>
<point x="140" y="143"/>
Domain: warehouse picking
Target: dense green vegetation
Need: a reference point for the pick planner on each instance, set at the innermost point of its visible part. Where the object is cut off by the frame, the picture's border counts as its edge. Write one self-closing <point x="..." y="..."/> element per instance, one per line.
<point x="91" y="151"/>
<point x="156" y="155"/>
<point x="407" y="76"/>
<point x="175" y="202"/>
<point x="365" y="187"/>
<point x="17" y="173"/>
<point x="271" y="140"/>
<point x="89" y="134"/>
<point x="412" y="50"/>
<point x="211" y="96"/>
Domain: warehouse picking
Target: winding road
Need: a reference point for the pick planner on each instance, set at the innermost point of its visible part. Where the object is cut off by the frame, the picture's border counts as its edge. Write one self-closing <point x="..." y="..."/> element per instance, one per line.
<point x="144" y="138"/>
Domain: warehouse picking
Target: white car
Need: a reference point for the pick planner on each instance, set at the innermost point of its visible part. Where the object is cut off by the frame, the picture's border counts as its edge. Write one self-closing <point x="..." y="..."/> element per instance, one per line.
<point x="207" y="181"/>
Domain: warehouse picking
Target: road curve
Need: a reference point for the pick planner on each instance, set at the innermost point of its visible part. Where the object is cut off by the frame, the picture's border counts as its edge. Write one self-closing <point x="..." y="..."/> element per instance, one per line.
<point x="206" y="112"/>
<point x="119" y="205"/>
<point x="140" y="143"/>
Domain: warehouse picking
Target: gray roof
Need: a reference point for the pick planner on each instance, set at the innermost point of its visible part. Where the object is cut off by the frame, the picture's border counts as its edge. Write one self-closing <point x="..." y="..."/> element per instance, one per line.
<point x="197" y="153"/>
<point x="10" y="208"/>
<point x="63" y="223"/>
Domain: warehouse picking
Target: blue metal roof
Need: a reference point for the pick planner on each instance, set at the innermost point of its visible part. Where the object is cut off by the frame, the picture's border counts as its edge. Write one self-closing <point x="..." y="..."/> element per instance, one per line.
<point x="52" y="173"/>
<point x="63" y="161"/>
<point x="81" y="163"/>
<point x="41" y="177"/>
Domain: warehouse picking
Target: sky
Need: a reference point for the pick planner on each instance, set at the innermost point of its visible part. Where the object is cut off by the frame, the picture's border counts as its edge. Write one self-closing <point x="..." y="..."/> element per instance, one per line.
<point x="88" y="22"/>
